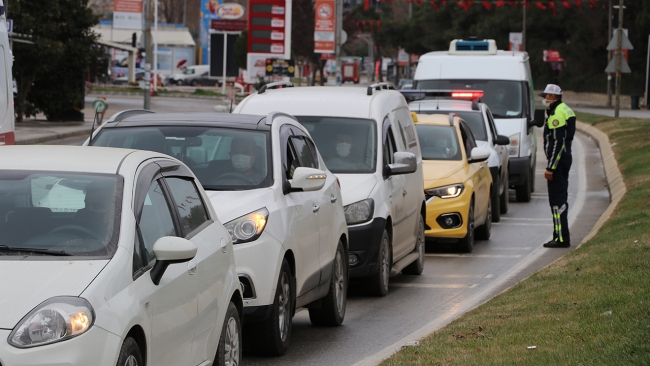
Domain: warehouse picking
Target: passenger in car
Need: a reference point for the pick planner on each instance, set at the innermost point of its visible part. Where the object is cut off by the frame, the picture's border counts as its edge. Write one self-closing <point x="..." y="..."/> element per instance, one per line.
<point x="343" y="159"/>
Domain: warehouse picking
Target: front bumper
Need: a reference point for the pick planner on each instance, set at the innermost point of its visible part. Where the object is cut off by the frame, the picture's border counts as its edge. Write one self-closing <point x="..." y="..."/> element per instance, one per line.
<point x="260" y="261"/>
<point x="96" y="347"/>
<point x="518" y="170"/>
<point x="444" y="206"/>
<point x="364" y="244"/>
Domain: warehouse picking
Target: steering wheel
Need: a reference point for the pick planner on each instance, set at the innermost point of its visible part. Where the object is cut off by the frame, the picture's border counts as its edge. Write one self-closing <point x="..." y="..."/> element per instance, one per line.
<point x="242" y="178"/>
<point x="77" y="228"/>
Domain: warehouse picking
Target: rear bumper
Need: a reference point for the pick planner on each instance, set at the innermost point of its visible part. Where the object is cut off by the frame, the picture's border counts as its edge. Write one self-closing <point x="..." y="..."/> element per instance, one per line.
<point x="518" y="170"/>
<point x="364" y="244"/>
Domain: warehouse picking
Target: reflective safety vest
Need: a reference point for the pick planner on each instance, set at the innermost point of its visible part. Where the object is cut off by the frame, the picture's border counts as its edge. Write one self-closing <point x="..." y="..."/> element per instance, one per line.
<point x="560" y="116"/>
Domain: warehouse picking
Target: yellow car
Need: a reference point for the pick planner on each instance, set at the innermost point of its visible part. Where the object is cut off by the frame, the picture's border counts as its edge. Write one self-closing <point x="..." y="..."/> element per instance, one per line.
<point x="457" y="181"/>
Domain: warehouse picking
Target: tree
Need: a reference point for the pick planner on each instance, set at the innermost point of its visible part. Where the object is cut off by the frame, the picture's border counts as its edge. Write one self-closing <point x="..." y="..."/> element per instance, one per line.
<point x="241" y="50"/>
<point x="50" y="72"/>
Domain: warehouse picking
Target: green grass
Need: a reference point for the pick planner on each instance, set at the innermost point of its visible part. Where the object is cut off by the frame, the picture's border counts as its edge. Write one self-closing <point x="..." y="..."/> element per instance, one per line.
<point x="563" y="309"/>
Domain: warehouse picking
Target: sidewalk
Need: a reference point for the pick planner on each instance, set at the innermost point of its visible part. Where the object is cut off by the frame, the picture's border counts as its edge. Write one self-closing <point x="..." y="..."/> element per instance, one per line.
<point x="31" y="132"/>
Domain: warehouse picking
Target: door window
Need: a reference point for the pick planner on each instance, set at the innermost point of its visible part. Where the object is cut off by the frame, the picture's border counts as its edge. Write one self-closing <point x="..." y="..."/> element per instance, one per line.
<point x="468" y="139"/>
<point x="156" y="221"/>
<point x="189" y="204"/>
<point x="389" y="147"/>
<point x="303" y="152"/>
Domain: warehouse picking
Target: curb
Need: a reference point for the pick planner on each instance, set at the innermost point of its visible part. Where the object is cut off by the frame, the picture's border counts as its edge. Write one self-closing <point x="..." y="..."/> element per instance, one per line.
<point x="49" y="138"/>
<point x="615" y="182"/>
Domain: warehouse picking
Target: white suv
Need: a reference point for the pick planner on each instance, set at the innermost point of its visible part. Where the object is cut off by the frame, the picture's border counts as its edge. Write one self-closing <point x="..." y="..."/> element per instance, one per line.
<point x="368" y="139"/>
<point x="280" y="204"/>
<point x="479" y="119"/>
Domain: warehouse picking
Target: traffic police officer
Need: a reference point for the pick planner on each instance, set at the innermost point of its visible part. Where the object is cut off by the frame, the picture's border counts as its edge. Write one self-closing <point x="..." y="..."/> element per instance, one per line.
<point x="559" y="130"/>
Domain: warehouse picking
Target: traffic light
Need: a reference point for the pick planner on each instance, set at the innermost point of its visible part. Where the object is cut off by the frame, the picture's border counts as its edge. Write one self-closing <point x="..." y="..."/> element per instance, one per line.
<point x="360" y="58"/>
<point x="134" y="40"/>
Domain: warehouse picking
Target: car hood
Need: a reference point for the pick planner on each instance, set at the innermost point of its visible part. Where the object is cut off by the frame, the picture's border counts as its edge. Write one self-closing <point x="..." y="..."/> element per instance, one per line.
<point x="230" y="205"/>
<point x="356" y="187"/>
<point x="439" y="169"/>
<point x="27" y="283"/>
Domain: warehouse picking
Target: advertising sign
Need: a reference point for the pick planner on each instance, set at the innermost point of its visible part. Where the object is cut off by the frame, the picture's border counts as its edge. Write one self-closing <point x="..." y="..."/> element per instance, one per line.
<point x="279" y="67"/>
<point x="127" y="14"/>
<point x="551" y="56"/>
<point x="324" y="26"/>
<point x="269" y="27"/>
<point x="516" y="40"/>
<point x="402" y="58"/>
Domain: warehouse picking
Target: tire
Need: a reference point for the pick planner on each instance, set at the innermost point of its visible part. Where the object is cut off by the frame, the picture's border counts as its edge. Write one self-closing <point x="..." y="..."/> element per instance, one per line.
<point x="130" y="354"/>
<point x="271" y="336"/>
<point x="194" y="83"/>
<point x="483" y="232"/>
<point x="417" y="266"/>
<point x="229" y="350"/>
<point x="532" y="178"/>
<point x="524" y="191"/>
<point x="503" y="201"/>
<point x="332" y="310"/>
<point x="466" y="244"/>
<point x="378" y="284"/>
<point x="495" y="197"/>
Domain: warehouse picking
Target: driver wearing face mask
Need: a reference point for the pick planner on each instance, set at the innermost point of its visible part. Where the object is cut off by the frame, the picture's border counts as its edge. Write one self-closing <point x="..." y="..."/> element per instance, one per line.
<point x="342" y="160"/>
<point x="243" y="155"/>
<point x="99" y="210"/>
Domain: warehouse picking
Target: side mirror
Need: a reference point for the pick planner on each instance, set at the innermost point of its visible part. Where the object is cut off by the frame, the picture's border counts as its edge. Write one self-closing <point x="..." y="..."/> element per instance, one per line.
<point x="308" y="179"/>
<point x="405" y="163"/>
<point x="170" y="250"/>
<point x="502" y="140"/>
<point x="538" y="120"/>
<point x="478" y="155"/>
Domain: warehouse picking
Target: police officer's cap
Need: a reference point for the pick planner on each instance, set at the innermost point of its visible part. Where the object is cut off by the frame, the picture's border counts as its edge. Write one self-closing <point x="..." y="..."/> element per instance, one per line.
<point x="551" y="89"/>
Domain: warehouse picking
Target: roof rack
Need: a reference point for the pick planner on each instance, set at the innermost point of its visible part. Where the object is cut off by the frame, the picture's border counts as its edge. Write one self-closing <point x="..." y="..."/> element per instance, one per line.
<point x="380" y="86"/>
<point x="272" y="115"/>
<point x="122" y="115"/>
<point x="452" y="115"/>
<point x="277" y="85"/>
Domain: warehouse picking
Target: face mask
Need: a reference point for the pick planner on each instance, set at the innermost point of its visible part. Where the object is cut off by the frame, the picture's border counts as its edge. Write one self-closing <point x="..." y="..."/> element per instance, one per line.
<point x="343" y="149"/>
<point x="548" y="103"/>
<point x="241" y="162"/>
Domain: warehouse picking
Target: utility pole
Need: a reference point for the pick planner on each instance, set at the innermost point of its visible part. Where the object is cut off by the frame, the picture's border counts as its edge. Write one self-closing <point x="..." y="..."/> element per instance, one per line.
<point x="339" y="28"/>
<point x="609" y="58"/>
<point x="619" y="58"/>
<point x="148" y="54"/>
<point x="523" y="32"/>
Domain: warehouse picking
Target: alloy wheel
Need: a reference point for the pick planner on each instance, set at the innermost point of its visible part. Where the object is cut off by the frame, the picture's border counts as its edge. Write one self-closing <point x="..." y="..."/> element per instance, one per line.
<point x="131" y="361"/>
<point x="284" y="303"/>
<point x="231" y="354"/>
<point x="339" y="285"/>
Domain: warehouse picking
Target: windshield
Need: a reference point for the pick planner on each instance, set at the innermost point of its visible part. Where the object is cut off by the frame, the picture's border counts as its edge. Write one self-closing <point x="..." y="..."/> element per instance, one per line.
<point x="504" y="97"/>
<point x="221" y="158"/>
<point x="348" y="145"/>
<point x="438" y="142"/>
<point x="188" y="71"/>
<point x="473" y="119"/>
<point x="45" y="213"/>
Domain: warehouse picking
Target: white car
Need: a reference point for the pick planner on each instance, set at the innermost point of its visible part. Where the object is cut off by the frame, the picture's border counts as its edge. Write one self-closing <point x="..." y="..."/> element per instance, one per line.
<point x="112" y="257"/>
<point x="465" y="104"/>
<point x="281" y="205"/>
<point x="367" y="138"/>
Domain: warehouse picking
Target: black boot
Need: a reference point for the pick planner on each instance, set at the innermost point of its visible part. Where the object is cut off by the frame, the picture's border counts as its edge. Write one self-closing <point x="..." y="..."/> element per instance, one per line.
<point x="557" y="244"/>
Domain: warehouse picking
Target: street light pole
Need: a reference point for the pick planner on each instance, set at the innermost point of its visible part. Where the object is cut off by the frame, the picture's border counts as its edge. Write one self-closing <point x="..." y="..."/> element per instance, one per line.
<point x="523" y="35"/>
<point x="609" y="58"/>
<point x="619" y="58"/>
<point x="148" y="54"/>
<point x="339" y="28"/>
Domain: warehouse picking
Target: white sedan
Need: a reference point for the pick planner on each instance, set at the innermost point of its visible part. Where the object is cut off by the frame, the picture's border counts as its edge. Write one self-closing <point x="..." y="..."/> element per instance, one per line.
<point x="280" y="203"/>
<point x="112" y="257"/>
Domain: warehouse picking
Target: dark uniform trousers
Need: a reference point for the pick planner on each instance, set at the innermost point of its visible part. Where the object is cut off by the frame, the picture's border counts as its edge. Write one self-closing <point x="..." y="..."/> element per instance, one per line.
<point x="557" y="198"/>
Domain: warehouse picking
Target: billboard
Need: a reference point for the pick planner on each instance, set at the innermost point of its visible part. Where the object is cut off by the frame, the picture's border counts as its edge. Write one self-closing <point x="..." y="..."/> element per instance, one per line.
<point x="127" y="14"/>
<point x="324" y="26"/>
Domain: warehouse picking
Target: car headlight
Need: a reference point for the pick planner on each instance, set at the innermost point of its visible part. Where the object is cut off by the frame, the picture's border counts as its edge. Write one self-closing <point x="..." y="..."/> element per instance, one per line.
<point x="451" y="191"/>
<point x="54" y="320"/>
<point x="513" y="147"/>
<point x="248" y="227"/>
<point x="358" y="212"/>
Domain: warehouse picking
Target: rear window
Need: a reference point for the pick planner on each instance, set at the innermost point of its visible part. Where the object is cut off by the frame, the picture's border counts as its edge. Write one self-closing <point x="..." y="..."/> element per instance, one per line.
<point x="474" y="121"/>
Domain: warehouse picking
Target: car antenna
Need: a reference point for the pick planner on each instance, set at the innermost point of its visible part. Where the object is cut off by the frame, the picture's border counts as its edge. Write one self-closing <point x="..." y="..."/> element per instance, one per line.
<point x="438" y="99"/>
<point x="99" y="106"/>
<point x="230" y="106"/>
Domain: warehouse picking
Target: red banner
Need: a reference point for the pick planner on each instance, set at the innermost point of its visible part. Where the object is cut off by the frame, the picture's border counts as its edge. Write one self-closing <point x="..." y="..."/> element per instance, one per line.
<point x="324" y="26"/>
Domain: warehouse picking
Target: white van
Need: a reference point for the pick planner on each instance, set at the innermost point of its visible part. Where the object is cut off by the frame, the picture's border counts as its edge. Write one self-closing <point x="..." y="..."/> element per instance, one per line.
<point x="367" y="138"/>
<point x="7" y="128"/>
<point x="506" y="80"/>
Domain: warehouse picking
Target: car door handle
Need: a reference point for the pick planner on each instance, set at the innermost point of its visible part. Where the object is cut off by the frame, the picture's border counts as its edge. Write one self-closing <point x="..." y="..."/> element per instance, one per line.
<point x="223" y="245"/>
<point x="316" y="208"/>
<point x="191" y="267"/>
<point x="333" y="198"/>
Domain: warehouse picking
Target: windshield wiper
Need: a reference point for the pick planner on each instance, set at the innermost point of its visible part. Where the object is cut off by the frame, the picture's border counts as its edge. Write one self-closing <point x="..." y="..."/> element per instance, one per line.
<point x="36" y="250"/>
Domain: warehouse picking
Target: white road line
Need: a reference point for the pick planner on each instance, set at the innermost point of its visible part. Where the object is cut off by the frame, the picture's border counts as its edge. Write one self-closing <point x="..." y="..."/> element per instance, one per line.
<point x="524" y="218"/>
<point x="483" y="294"/>
<point x="520" y="224"/>
<point x="511" y="248"/>
<point x="474" y="255"/>
<point x="433" y="285"/>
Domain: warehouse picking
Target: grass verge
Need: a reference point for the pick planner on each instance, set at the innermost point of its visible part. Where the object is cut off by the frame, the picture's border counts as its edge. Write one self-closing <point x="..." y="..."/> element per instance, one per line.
<point x="591" y="307"/>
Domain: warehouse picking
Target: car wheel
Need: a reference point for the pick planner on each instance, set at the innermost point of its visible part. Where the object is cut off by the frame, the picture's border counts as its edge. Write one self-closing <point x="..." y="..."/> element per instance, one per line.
<point x="130" y="354"/>
<point x="417" y="266"/>
<point x="495" y="197"/>
<point x="271" y="336"/>
<point x="524" y="191"/>
<point x="466" y="244"/>
<point x="194" y="83"/>
<point x="179" y="82"/>
<point x="332" y="310"/>
<point x="229" y="351"/>
<point x="483" y="232"/>
<point x="532" y="179"/>
<point x="503" y="201"/>
<point x="379" y="282"/>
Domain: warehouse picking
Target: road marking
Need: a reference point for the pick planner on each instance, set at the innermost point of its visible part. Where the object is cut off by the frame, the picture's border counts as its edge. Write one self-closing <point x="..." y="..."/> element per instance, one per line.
<point x="511" y="248"/>
<point x="474" y="255"/>
<point x="433" y="285"/>
<point x="523" y="218"/>
<point x="454" y="275"/>
<point x="520" y="224"/>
